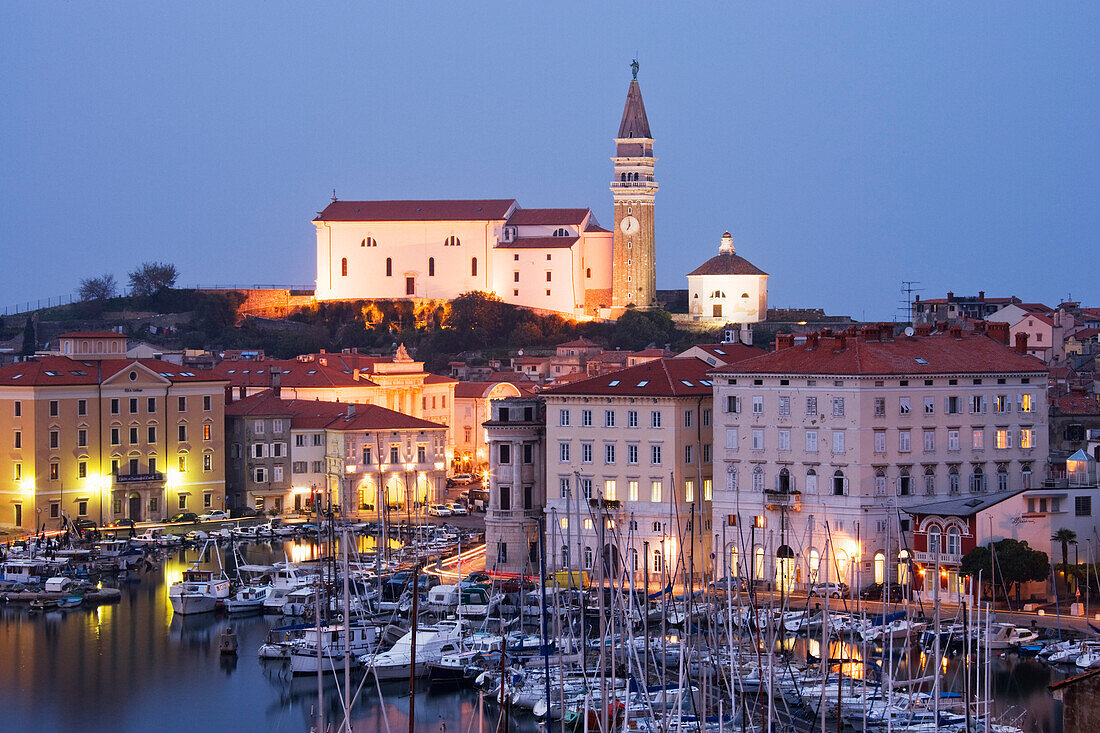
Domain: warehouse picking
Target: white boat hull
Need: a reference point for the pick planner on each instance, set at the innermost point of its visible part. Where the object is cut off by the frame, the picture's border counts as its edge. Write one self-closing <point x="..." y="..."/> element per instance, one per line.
<point x="189" y="603"/>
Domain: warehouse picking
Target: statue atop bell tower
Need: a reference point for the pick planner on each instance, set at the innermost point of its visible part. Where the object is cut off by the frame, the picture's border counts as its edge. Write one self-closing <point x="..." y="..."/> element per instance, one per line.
<point x="633" y="188"/>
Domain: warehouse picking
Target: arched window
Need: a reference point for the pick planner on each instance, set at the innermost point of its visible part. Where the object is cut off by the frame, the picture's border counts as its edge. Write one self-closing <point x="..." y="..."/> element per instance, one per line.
<point x="903" y="567"/>
<point x="977" y="480"/>
<point x="758" y="479"/>
<point x="840" y="558"/>
<point x="953" y="480"/>
<point x="954" y="541"/>
<point x="784" y="480"/>
<point x="813" y="571"/>
<point x="658" y="561"/>
<point x="733" y="570"/>
<point x="1002" y="477"/>
<point x="344" y="267"/>
<point x="811" y="481"/>
<point x="588" y="557"/>
<point x="840" y="484"/>
<point x="930" y="481"/>
<point x="905" y="483"/>
<point x="561" y="232"/>
<point x="565" y="556"/>
<point x="622" y="177"/>
<point x="934" y="539"/>
<point x="368" y="242"/>
<point x="745" y="295"/>
<point x="758" y="563"/>
<point x="389" y="267"/>
<point x="718" y="294"/>
<point x="588" y="272"/>
<point x="451" y="241"/>
<point x="431" y="267"/>
<point x="731" y="478"/>
<point x="880" y="567"/>
<point x="880" y="483"/>
<point x="473" y="267"/>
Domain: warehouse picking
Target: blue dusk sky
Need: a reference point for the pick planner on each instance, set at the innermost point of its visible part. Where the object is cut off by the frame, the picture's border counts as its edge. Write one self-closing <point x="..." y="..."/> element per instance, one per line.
<point x="846" y="145"/>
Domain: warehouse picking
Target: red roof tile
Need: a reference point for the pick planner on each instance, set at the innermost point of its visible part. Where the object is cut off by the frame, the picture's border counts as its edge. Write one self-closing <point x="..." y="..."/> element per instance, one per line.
<point x="1078" y="404"/>
<point x="730" y="353"/>
<point x="254" y="373"/>
<point x="61" y="370"/>
<point x="444" y="210"/>
<point x="547" y="217"/>
<point x="330" y="415"/>
<point x="579" y="343"/>
<point x="727" y="264"/>
<point x="935" y="354"/>
<point x="595" y="227"/>
<point x="539" y="243"/>
<point x="658" y="378"/>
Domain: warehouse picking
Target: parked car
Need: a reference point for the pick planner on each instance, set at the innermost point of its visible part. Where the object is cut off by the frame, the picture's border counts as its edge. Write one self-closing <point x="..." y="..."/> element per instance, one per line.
<point x="833" y="590"/>
<point x="242" y="512"/>
<point x="84" y="524"/>
<point x="876" y="591"/>
<point x="457" y="510"/>
<point x="438" y="510"/>
<point x="183" y="518"/>
<point x="463" y="478"/>
<point x="727" y="583"/>
<point x="121" y="523"/>
<point x="213" y="515"/>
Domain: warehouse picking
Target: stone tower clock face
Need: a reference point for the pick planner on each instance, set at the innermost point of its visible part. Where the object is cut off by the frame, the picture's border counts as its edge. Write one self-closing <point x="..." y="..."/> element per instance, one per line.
<point x="629" y="225"/>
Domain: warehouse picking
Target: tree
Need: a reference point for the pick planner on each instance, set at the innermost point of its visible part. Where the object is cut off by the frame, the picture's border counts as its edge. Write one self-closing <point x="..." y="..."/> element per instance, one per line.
<point x="1065" y="538"/>
<point x="98" y="288"/>
<point x="1006" y="563"/>
<point x="637" y="329"/>
<point x="30" y="343"/>
<point x="153" y="278"/>
<point x="478" y="316"/>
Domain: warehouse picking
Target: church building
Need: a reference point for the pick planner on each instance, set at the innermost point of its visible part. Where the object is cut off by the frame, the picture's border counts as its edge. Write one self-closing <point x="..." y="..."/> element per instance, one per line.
<point x="552" y="260"/>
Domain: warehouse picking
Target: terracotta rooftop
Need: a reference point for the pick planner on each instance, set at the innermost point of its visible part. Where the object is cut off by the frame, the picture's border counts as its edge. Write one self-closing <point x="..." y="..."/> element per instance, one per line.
<point x="730" y="353"/>
<point x="940" y="353"/>
<point x="294" y="373"/>
<point x="579" y="343"/>
<point x="60" y="370"/>
<point x="547" y="217"/>
<point x="444" y="210"/>
<point x="306" y="414"/>
<point x="1077" y="404"/>
<point x="727" y="264"/>
<point x="595" y="227"/>
<point x="658" y="378"/>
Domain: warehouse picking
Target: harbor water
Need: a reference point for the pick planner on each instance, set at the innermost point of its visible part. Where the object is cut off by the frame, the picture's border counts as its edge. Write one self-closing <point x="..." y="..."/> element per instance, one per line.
<point x="135" y="666"/>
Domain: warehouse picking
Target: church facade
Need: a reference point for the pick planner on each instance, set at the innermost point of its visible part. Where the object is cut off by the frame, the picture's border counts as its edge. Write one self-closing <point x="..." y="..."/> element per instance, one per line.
<point x="554" y="260"/>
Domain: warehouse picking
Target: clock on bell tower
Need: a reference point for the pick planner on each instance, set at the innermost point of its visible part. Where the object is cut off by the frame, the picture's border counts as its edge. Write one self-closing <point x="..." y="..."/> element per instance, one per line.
<point x="634" y="274"/>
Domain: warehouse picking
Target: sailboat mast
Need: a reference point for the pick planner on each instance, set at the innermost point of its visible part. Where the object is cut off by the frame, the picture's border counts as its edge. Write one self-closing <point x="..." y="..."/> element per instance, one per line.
<point x="412" y="653"/>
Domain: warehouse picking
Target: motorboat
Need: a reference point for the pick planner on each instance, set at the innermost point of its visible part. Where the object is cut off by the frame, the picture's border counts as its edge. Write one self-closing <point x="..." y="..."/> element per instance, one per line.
<point x="322" y="650"/>
<point x="432" y="642"/>
<point x="286" y="579"/>
<point x="299" y="601"/>
<point x="1007" y="636"/>
<point x="247" y="599"/>
<point x="199" y="591"/>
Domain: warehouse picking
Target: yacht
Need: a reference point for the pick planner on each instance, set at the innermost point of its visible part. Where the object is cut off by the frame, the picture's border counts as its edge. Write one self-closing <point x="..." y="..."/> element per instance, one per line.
<point x="1007" y="636"/>
<point x="432" y="642"/>
<point x="198" y="592"/>
<point x="287" y="579"/>
<point x="304" y="656"/>
<point x="248" y="598"/>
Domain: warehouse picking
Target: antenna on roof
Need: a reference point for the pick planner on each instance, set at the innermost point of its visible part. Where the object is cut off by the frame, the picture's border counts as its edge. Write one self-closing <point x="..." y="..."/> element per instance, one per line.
<point x="907" y="290"/>
<point x="334" y="195"/>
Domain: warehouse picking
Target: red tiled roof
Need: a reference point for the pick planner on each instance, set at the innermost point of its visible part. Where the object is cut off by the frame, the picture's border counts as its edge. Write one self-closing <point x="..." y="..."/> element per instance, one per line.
<point x="444" y="210"/>
<point x="253" y="373"/>
<point x="1084" y="333"/>
<point x="578" y="343"/>
<point x="658" y="378"/>
<point x="331" y="415"/>
<point x="478" y="390"/>
<point x="539" y="243"/>
<point x="594" y="227"/>
<point x="727" y="264"/>
<point x="547" y="217"/>
<point x="730" y="353"/>
<point x="439" y="379"/>
<point x="938" y="354"/>
<point x="44" y="371"/>
<point x="966" y="299"/>
<point x="1077" y="404"/>
<point x="659" y="353"/>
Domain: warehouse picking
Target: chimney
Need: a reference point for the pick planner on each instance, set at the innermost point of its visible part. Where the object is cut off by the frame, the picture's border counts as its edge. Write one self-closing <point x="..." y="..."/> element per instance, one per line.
<point x="811" y="340"/>
<point x="979" y="326"/>
<point x="351" y="409"/>
<point x="276" y="381"/>
<point x="885" y="331"/>
<point x="941" y="326"/>
<point x="838" y="342"/>
<point x="924" y="330"/>
<point x="950" y="295"/>
<point x="1021" y="342"/>
<point x="784" y="341"/>
<point x="826" y="332"/>
<point x="981" y="295"/>
<point x="955" y="332"/>
<point x="998" y="330"/>
<point x="917" y="298"/>
<point x="869" y="333"/>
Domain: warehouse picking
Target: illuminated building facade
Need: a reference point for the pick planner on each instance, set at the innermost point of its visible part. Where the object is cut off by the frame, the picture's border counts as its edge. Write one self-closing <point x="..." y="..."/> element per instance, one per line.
<point x="283" y="452"/>
<point x="517" y="484"/>
<point x="825" y="444"/>
<point x="96" y="436"/>
<point x="629" y="472"/>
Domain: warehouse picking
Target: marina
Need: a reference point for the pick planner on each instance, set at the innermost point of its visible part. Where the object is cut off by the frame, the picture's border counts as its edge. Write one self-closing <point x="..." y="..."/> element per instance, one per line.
<point x="709" y="663"/>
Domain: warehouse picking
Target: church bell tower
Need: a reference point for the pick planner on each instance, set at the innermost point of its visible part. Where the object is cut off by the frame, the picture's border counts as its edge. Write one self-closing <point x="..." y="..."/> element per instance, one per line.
<point x="634" y="274"/>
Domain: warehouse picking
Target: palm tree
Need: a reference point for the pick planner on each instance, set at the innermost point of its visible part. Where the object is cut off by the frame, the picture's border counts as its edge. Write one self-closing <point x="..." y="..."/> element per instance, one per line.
<point x="1065" y="537"/>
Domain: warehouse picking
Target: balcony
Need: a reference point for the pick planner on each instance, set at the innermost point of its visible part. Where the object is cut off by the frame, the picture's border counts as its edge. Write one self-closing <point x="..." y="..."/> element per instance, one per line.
<point x="776" y="500"/>
<point x="945" y="558"/>
<point x="632" y="184"/>
<point x="610" y="504"/>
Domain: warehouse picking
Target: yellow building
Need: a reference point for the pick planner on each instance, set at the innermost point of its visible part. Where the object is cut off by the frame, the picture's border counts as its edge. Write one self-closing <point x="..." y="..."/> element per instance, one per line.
<point x="101" y="437"/>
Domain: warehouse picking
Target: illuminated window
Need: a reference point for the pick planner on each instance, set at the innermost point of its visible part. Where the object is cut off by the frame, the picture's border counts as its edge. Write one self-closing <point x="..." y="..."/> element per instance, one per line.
<point x="1002" y="439"/>
<point x="1027" y="438"/>
<point x="206" y="432"/>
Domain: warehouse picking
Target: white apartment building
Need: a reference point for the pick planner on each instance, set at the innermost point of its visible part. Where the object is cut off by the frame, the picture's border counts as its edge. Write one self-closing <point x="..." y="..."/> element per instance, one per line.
<point x="822" y="444"/>
<point x="628" y="473"/>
